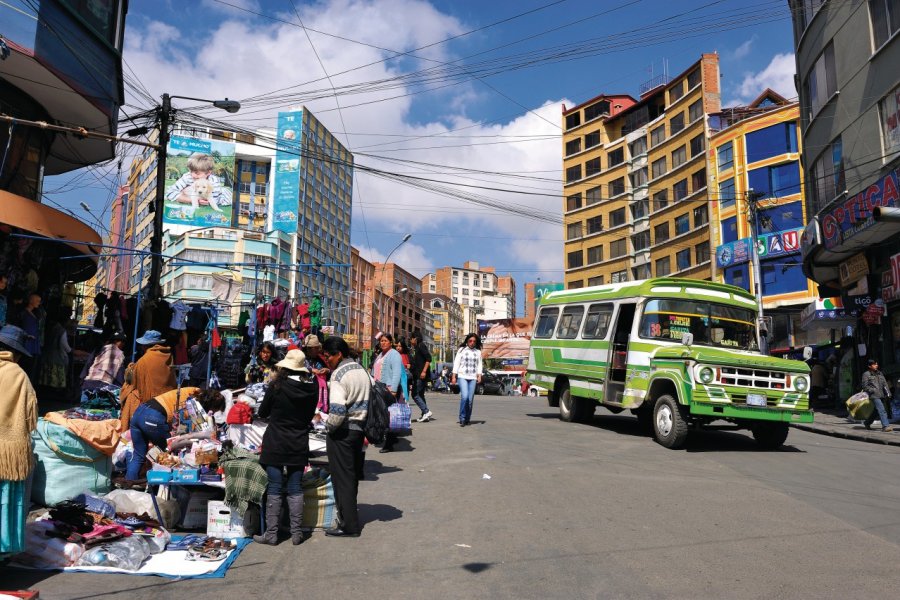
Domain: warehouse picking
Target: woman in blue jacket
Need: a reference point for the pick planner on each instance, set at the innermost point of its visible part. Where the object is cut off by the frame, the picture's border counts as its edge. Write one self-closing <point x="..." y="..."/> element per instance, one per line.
<point x="388" y="369"/>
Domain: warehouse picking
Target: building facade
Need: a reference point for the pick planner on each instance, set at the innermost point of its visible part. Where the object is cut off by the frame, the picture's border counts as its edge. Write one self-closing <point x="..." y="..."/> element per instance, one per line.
<point x="755" y="175"/>
<point x="635" y="182"/>
<point x="397" y="294"/>
<point x="849" y="84"/>
<point x="474" y="287"/>
<point x="447" y="318"/>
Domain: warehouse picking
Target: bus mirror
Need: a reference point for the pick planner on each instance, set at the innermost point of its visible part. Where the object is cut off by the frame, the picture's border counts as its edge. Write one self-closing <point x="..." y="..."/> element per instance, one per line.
<point x="687" y="339"/>
<point x="807" y="353"/>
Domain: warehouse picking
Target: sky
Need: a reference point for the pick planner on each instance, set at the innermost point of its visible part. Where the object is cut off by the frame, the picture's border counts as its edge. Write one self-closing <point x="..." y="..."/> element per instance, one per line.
<point x="461" y="96"/>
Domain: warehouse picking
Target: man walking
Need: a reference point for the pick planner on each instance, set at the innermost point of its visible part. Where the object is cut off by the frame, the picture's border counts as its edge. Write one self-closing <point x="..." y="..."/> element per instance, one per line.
<point x="420" y="368"/>
<point x="876" y="386"/>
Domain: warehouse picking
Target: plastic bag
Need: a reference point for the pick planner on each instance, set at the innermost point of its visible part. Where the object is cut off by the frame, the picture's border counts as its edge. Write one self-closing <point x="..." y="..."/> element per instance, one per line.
<point x="156" y="539"/>
<point x="127" y="553"/>
<point x="42" y="552"/>
<point x="140" y="503"/>
<point x="122" y="453"/>
<point x="859" y="406"/>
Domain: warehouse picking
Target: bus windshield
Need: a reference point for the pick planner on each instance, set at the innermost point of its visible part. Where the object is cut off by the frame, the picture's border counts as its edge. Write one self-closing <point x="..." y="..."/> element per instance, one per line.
<point x="711" y="324"/>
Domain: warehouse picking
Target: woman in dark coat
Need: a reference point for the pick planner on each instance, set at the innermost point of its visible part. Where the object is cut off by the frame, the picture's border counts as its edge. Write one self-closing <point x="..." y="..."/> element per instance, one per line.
<point x="289" y="404"/>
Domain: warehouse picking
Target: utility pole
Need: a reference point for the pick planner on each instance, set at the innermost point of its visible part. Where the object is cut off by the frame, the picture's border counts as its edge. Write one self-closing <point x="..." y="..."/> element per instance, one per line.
<point x="753" y="199"/>
<point x="158" y="205"/>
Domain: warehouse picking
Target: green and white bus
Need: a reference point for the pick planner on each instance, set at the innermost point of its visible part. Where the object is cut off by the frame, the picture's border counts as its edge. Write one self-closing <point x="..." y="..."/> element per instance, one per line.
<point x="679" y="353"/>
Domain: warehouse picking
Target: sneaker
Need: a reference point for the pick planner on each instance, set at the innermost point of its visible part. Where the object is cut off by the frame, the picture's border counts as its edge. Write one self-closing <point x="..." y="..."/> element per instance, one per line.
<point x="425" y="417"/>
<point x="888" y="428"/>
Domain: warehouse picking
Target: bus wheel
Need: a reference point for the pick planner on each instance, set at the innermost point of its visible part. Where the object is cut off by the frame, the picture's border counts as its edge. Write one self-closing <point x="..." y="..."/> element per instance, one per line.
<point x="770" y="436"/>
<point x="670" y="427"/>
<point x="566" y="403"/>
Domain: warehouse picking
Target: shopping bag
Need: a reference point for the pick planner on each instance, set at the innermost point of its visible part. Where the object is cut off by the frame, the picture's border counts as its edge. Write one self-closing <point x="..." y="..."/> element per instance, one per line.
<point x="400" y="418"/>
<point x="859" y="406"/>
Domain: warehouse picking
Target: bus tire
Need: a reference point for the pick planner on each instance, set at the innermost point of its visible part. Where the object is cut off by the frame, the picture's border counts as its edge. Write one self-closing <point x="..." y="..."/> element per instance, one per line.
<point x="553" y="396"/>
<point x="566" y="402"/>
<point x="670" y="427"/>
<point x="770" y="436"/>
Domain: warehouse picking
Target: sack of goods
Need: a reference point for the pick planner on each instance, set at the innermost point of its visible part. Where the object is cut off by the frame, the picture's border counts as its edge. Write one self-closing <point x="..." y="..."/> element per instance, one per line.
<point x="859" y="406"/>
<point x="66" y="465"/>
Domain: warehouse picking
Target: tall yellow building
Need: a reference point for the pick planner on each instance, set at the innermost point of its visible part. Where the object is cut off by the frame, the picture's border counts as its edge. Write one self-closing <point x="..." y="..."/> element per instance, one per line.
<point x="635" y="181"/>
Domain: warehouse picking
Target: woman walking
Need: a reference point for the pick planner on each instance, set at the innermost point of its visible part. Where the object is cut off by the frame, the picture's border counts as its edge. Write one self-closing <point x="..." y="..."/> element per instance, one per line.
<point x="289" y="404"/>
<point x="349" y="398"/>
<point x="467" y="370"/>
<point x="388" y="369"/>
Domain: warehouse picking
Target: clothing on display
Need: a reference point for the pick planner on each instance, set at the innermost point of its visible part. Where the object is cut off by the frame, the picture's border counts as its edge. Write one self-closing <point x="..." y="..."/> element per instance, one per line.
<point x="226" y="286"/>
<point x="180" y="312"/>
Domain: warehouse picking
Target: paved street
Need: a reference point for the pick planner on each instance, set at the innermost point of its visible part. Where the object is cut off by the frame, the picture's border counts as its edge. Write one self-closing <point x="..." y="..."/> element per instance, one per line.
<point x="579" y="511"/>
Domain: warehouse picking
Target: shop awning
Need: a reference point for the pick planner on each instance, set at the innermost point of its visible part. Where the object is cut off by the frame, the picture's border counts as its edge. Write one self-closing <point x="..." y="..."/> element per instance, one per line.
<point x="39" y="219"/>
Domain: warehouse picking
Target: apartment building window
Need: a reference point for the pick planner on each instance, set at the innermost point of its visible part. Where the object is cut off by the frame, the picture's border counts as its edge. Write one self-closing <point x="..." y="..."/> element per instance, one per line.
<point x="660" y="200"/>
<point x="683" y="259"/>
<point x="771" y="141"/>
<point x="592" y="167"/>
<point x="775" y="181"/>
<point x="595" y="224"/>
<point x="695" y="110"/>
<point x="617" y="217"/>
<point x="889" y="109"/>
<point x="698" y="145"/>
<point x="598" y="280"/>
<point x="726" y="193"/>
<point x="663" y="266"/>
<point x="595" y="254"/>
<point x="641" y="272"/>
<point x="593" y="196"/>
<point x="573" y="202"/>
<point x="639" y="177"/>
<point x="244" y="187"/>
<point x="658" y="167"/>
<point x="619" y="277"/>
<point x="616" y="187"/>
<point x="595" y="110"/>
<point x="729" y="230"/>
<point x="739" y="276"/>
<point x="827" y="175"/>
<point x="592" y="139"/>
<point x="661" y="233"/>
<point x="806" y="10"/>
<point x="821" y="82"/>
<point x="782" y="218"/>
<point x="679" y="156"/>
<point x="573" y="230"/>
<point x="694" y="78"/>
<point x="701" y="253"/>
<point x="676" y="91"/>
<point x="455" y="291"/>
<point x="575" y="259"/>
<point x="677" y="123"/>
<point x="573" y="120"/>
<point x="573" y="173"/>
<point x="657" y="136"/>
<point x="682" y="224"/>
<point x="573" y="285"/>
<point x="680" y="190"/>
<point x="701" y="216"/>
<point x="618" y="248"/>
<point x="638" y="147"/>
<point x="616" y="157"/>
<point x="725" y="156"/>
<point x="639" y="209"/>
<point x="885" y="16"/>
<point x="640" y="241"/>
<point x="573" y="146"/>
<point x="698" y="180"/>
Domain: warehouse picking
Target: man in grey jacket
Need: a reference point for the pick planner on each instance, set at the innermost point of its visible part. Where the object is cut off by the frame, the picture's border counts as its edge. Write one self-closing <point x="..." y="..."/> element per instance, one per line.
<point x="876" y="386"/>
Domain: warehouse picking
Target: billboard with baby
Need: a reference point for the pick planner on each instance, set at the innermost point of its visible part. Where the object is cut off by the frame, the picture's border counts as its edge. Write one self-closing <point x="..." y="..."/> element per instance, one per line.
<point x="199" y="182"/>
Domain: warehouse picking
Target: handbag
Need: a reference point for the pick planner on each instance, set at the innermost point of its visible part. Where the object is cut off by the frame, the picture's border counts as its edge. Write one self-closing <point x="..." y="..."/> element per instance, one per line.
<point x="400" y="418"/>
<point x="859" y="406"/>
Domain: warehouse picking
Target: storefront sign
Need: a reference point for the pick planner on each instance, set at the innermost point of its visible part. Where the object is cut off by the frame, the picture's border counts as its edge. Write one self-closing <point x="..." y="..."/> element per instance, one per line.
<point x="855" y="214"/>
<point x="888" y="291"/>
<point x="286" y="196"/>
<point x="826" y="309"/>
<point x="853" y="269"/>
<point x="769" y="245"/>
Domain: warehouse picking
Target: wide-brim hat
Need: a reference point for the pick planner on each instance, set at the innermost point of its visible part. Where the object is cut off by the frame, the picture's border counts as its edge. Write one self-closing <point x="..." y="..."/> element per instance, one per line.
<point x="14" y="337"/>
<point x="312" y="341"/>
<point x="150" y="337"/>
<point x="294" y="360"/>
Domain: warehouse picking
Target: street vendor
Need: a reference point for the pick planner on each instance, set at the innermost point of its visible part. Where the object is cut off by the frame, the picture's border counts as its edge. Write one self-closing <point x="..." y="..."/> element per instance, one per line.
<point x="152" y="422"/>
<point x="108" y="366"/>
<point x="150" y="376"/>
<point x="264" y="369"/>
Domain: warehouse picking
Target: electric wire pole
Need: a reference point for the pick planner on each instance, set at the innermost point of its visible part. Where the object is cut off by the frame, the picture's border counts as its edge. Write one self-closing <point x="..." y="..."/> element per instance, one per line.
<point x="752" y="203"/>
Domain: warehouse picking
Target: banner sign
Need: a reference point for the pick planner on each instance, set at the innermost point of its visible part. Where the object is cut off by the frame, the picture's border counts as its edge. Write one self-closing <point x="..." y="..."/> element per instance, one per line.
<point x="286" y="196"/>
<point x="199" y="182"/>
<point x="769" y="245"/>
<point x="505" y="338"/>
<point x="541" y="290"/>
<point x="853" y="269"/>
<point x="854" y="215"/>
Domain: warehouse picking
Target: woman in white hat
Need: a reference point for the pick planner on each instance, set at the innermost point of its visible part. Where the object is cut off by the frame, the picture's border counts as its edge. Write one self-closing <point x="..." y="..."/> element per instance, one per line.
<point x="289" y="404"/>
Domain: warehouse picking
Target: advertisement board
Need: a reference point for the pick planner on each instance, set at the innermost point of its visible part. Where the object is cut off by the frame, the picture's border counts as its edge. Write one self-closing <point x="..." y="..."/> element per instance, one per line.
<point x="286" y="197"/>
<point x="854" y="215"/>
<point x="769" y="245"/>
<point x="505" y="338"/>
<point x="199" y="182"/>
<point x="545" y="288"/>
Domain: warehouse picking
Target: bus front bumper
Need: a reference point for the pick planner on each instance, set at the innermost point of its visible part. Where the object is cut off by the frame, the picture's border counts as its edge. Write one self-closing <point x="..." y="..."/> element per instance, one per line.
<point x="750" y="413"/>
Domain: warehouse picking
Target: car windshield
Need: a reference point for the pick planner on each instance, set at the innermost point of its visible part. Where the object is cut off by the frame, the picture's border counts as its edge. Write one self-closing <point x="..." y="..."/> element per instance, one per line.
<point x="711" y="324"/>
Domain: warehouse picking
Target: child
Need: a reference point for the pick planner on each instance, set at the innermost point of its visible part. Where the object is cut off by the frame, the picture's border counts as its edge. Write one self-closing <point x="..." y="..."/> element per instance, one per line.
<point x="199" y="182"/>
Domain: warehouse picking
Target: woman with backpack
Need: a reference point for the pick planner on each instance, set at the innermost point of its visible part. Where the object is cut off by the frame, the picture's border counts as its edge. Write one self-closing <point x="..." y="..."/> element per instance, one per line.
<point x="348" y="394"/>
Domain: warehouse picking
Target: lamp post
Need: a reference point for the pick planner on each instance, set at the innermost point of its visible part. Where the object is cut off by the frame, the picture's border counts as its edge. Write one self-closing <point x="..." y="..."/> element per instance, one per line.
<point x="405" y="239"/>
<point x="158" y="206"/>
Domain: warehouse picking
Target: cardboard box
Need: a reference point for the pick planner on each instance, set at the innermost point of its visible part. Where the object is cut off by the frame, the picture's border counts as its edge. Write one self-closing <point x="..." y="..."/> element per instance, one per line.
<point x="223" y="522"/>
<point x="186" y="476"/>
<point x="195" y="506"/>
<point x="158" y="477"/>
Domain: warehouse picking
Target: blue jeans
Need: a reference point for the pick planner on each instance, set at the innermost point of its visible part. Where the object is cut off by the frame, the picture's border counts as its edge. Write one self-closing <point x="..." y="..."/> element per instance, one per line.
<point x="278" y="482"/>
<point x="418" y="394"/>
<point x="882" y="414"/>
<point x="466" y="398"/>
<point x="147" y="425"/>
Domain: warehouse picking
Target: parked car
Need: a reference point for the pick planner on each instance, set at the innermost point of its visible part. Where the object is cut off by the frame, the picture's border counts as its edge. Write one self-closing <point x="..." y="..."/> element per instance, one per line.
<point x="490" y="384"/>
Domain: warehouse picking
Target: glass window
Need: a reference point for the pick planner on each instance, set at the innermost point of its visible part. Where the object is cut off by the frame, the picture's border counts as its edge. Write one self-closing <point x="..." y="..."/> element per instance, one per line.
<point x="618" y="248"/>
<point x="698" y="180"/>
<point x="693" y="78"/>
<point x="597" y="280"/>
<point x="617" y="186"/>
<point x="725" y="156"/>
<point x="638" y="146"/>
<point x="663" y="266"/>
<point x="640" y="241"/>
<point x="738" y="275"/>
<point x="569" y="323"/>
<point x="573" y="173"/>
<point x="659" y="167"/>
<point x="711" y="324"/>
<point x="772" y="141"/>
<point x="821" y="83"/>
<point x="619" y="277"/>
<point x="641" y="272"/>
<point x="679" y="156"/>
<point x="695" y="110"/>
<point x="615" y="157"/>
<point x="683" y="259"/>
<point x="676" y="92"/>
<point x="573" y="230"/>
<point x="573" y="120"/>
<point x="596" y="325"/>
<point x="660" y="200"/>
<point x="617" y="217"/>
<point x="682" y="224"/>
<point x="660" y="233"/>
<point x="782" y="275"/>
<point x="701" y="216"/>
<point x="781" y="218"/>
<point x="677" y="123"/>
<point x="546" y="322"/>
<point x="885" y="16"/>
<point x="698" y="145"/>
<point x="658" y="135"/>
<point x="775" y="181"/>
<point x="592" y="139"/>
<point x="726" y="193"/>
<point x="595" y="224"/>
<point x="729" y="230"/>
<point x="639" y="209"/>
<point x="827" y="176"/>
<point x="595" y="110"/>
<point x="575" y="260"/>
<point x="889" y="108"/>
<point x="573" y="202"/>
<point x="701" y="253"/>
<point x="595" y="254"/>
<point x="638" y="178"/>
<point x="593" y="196"/>
<point x="592" y="167"/>
<point x="576" y="283"/>
<point x="680" y="190"/>
<point x="573" y="146"/>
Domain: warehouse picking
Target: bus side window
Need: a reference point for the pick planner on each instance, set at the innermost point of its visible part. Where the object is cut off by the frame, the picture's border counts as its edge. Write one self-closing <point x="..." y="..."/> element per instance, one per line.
<point x="570" y="323"/>
<point x="596" y="325"/>
<point x="546" y="322"/>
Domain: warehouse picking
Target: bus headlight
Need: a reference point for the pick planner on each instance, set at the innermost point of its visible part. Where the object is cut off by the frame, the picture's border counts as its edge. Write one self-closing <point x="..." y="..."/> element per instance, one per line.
<point x="801" y="384"/>
<point x="706" y="375"/>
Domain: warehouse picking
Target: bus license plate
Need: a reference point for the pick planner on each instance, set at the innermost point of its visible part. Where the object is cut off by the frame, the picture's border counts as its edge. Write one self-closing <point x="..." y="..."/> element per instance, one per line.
<point x="756" y="400"/>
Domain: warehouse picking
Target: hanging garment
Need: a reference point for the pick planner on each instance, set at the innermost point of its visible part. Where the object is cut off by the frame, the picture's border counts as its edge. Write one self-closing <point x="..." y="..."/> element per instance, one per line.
<point x="302" y="320"/>
<point x="197" y="319"/>
<point x="216" y="340"/>
<point x="181" y="352"/>
<point x="261" y="315"/>
<point x="285" y="323"/>
<point x="226" y="286"/>
<point x="100" y="303"/>
<point x="276" y="312"/>
<point x="251" y="322"/>
<point x="315" y="312"/>
<point x="180" y="312"/>
<point x="242" y="320"/>
<point x="268" y="333"/>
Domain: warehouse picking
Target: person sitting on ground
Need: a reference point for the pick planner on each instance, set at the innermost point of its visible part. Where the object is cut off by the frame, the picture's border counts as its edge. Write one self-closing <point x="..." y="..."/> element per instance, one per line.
<point x="264" y="369"/>
<point x="108" y="366"/>
<point x="150" y="376"/>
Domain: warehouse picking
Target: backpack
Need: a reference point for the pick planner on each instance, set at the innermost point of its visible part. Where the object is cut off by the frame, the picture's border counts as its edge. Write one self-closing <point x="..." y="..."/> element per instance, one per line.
<point x="378" y="419"/>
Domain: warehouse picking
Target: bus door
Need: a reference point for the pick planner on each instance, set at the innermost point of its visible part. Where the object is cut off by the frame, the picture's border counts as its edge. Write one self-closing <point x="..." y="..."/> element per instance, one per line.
<point x="597" y="327"/>
<point x="618" y="365"/>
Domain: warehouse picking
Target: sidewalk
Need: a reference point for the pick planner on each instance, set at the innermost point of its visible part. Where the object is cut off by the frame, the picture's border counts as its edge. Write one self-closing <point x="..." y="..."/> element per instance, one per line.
<point x="836" y="423"/>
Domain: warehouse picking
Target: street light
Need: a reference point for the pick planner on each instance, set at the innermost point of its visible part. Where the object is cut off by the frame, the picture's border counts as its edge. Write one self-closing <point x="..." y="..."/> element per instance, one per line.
<point x="165" y="115"/>
<point x="405" y="239"/>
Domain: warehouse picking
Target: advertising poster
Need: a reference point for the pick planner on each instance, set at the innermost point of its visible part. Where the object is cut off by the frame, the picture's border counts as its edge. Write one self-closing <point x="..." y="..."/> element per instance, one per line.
<point x="199" y="182"/>
<point x="545" y="288"/>
<point x="286" y="197"/>
<point x="505" y="338"/>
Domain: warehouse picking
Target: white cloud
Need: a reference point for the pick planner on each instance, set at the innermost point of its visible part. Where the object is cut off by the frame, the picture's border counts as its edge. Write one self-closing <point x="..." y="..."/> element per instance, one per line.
<point x="778" y="75"/>
<point x="743" y="50"/>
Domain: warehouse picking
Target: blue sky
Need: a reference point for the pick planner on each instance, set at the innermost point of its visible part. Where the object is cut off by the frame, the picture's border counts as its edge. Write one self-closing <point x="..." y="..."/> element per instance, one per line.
<point x="491" y="106"/>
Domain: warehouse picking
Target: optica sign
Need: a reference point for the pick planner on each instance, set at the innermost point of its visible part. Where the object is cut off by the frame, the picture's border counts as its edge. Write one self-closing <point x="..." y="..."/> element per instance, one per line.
<point x="854" y="215"/>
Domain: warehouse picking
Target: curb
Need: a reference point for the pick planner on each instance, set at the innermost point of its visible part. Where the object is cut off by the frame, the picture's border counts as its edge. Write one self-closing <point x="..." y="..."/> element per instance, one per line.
<point x="860" y="437"/>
